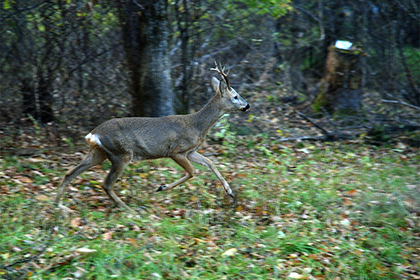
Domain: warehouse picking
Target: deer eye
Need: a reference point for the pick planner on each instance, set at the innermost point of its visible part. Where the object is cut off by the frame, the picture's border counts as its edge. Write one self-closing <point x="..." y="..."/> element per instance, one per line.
<point x="236" y="97"/>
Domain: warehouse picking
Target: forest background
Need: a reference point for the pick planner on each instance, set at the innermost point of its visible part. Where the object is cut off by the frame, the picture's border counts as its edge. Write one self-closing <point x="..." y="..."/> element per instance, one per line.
<point x="308" y="206"/>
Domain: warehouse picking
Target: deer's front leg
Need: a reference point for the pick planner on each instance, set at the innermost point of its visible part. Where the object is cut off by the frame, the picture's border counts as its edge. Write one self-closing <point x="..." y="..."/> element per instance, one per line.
<point x="200" y="159"/>
<point x="184" y="163"/>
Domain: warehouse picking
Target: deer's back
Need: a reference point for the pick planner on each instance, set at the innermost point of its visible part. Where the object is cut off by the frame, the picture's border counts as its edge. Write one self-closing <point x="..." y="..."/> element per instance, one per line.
<point x="147" y="138"/>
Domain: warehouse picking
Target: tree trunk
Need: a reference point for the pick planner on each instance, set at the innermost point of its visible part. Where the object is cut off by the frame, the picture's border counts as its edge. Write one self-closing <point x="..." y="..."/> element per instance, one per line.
<point x="28" y="99"/>
<point x="340" y="92"/>
<point x="45" y="101"/>
<point x="40" y="109"/>
<point x="144" y="27"/>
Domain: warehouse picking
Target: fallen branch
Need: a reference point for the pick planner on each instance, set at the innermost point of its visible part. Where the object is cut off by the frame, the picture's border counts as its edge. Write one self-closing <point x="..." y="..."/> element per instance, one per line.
<point x="310" y="138"/>
<point x="400" y="102"/>
<point x="330" y="138"/>
<point x="328" y="135"/>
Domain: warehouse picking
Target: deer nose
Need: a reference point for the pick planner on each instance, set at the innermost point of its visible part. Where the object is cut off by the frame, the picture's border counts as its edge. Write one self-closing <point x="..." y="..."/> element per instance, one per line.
<point x="246" y="108"/>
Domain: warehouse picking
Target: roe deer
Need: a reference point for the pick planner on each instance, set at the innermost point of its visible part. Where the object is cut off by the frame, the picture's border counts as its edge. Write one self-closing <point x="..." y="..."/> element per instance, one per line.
<point x="177" y="137"/>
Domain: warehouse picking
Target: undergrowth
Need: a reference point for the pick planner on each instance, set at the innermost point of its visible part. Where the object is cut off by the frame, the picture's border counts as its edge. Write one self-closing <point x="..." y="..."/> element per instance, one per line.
<point x="302" y="211"/>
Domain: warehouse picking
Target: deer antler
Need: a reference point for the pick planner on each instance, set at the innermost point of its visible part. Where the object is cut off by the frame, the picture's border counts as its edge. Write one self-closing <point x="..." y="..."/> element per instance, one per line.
<point x="222" y="74"/>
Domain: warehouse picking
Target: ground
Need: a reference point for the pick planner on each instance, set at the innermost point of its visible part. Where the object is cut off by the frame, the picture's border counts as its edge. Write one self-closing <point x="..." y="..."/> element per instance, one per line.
<point x="303" y="210"/>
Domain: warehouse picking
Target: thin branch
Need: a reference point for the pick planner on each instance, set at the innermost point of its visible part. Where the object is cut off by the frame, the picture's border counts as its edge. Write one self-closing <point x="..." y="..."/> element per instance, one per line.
<point x="407" y="11"/>
<point x="88" y="59"/>
<point x="400" y="102"/>
<point x="309" y="138"/>
<point x="31" y="258"/>
<point x="321" y="26"/>
<point x="324" y="131"/>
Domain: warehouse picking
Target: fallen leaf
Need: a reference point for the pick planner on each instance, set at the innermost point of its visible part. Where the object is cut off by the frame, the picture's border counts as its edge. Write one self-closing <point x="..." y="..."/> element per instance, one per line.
<point x="410" y="222"/>
<point x="135" y="227"/>
<point x="107" y="235"/>
<point x="79" y="272"/>
<point x="5" y="256"/>
<point x="147" y="255"/>
<point x="352" y="192"/>
<point x="15" y="249"/>
<point x="132" y="241"/>
<point x="65" y="209"/>
<point x="410" y="203"/>
<point x="156" y="275"/>
<point x="22" y="180"/>
<point x="345" y="222"/>
<point x="42" y="197"/>
<point x="295" y="275"/>
<point x="26" y="180"/>
<point x="231" y="252"/>
<point x="36" y="172"/>
<point x="347" y="202"/>
<point x="401" y="146"/>
<point x="36" y="160"/>
<point x="198" y="240"/>
<point x="85" y="250"/>
<point x="75" y="223"/>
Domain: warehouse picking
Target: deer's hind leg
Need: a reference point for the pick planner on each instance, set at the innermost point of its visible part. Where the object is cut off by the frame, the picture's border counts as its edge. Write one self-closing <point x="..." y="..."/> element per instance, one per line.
<point x="119" y="163"/>
<point x="94" y="157"/>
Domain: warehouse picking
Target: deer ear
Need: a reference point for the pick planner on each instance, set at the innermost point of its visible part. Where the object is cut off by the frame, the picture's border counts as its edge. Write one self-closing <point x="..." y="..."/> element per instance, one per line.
<point x="215" y="84"/>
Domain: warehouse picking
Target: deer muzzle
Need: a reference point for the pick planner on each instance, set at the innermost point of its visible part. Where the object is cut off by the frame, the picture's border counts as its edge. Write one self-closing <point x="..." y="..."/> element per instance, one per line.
<point x="246" y="108"/>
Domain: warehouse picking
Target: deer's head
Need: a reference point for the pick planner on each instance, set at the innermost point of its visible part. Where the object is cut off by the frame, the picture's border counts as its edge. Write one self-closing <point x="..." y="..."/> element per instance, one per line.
<point x="231" y="100"/>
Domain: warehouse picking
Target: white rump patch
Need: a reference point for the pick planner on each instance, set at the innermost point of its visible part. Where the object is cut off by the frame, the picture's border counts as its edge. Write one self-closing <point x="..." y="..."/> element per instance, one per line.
<point x="93" y="138"/>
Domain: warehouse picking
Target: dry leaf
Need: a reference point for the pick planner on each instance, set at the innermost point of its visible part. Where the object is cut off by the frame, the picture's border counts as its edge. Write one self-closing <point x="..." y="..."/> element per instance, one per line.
<point x="107" y="235"/>
<point x="401" y="146"/>
<point x="75" y="223"/>
<point x="347" y="201"/>
<point x="15" y="249"/>
<point x="65" y="209"/>
<point x="295" y="275"/>
<point x="345" y="222"/>
<point x="26" y="180"/>
<point x="147" y="255"/>
<point x="36" y="172"/>
<point x="42" y="197"/>
<point x="156" y="275"/>
<point x="132" y="241"/>
<point x="410" y="222"/>
<point x="22" y="180"/>
<point x="198" y="240"/>
<point x="352" y="193"/>
<point x="135" y="228"/>
<point x="85" y="250"/>
<point x="410" y="203"/>
<point x="230" y="252"/>
<point x="79" y="272"/>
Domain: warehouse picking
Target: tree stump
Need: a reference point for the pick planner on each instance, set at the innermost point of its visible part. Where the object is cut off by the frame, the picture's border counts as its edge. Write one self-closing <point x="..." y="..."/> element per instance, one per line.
<point x="340" y="92"/>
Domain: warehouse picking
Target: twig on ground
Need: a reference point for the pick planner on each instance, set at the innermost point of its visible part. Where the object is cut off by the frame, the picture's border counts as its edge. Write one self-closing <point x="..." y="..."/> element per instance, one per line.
<point x="400" y="102"/>
<point x="327" y="134"/>
<point x="311" y="138"/>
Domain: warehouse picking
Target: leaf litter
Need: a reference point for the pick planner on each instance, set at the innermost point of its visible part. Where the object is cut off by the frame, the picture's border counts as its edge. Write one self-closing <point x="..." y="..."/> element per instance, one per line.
<point x="303" y="211"/>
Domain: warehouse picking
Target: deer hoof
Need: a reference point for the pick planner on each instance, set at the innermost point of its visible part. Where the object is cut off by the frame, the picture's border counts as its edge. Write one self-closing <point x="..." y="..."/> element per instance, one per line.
<point x="161" y="188"/>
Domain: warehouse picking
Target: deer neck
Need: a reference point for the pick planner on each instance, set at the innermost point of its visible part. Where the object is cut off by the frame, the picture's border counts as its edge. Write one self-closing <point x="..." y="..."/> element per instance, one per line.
<point x="207" y="117"/>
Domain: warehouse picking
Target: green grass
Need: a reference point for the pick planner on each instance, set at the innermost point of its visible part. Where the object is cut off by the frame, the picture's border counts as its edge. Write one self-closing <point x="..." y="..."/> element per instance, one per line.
<point x="320" y="211"/>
